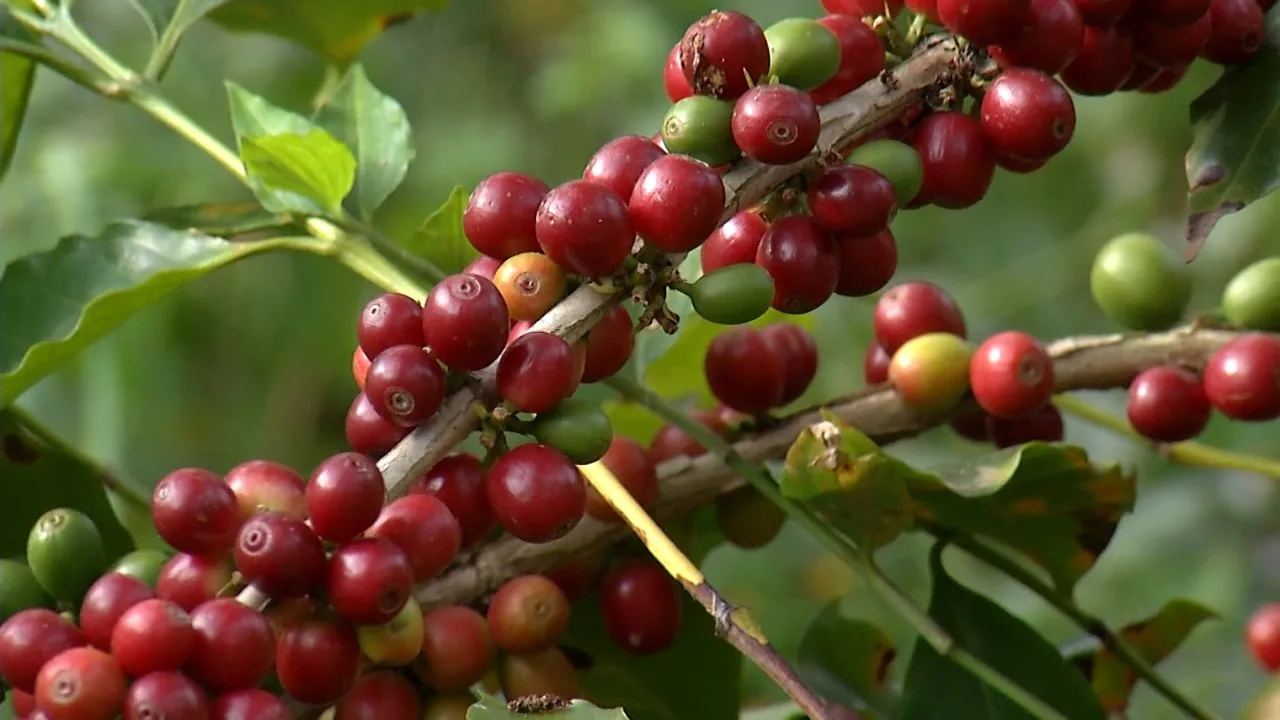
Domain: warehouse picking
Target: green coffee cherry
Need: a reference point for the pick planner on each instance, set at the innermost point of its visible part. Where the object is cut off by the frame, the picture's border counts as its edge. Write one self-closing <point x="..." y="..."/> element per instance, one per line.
<point x="897" y="161"/>
<point x="1251" y="300"/>
<point x="748" y="519"/>
<point x="701" y="127"/>
<point x="144" y="565"/>
<point x="66" y="553"/>
<point x="578" y="429"/>
<point x="1139" y="283"/>
<point x="802" y="53"/>
<point x="19" y="590"/>
<point x="732" y="295"/>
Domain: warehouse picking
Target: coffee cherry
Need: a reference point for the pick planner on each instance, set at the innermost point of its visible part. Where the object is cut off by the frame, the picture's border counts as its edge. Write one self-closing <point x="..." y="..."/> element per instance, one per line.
<point x="369" y="580"/>
<point x="577" y="577"/>
<point x="456" y="649"/>
<point x="875" y="364"/>
<point x="359" y="366"/>
<point x="1168" y="404"/>
<point x="1103" y="63"/>
<point x="465" y="322"/>
<point x="748" y="519"/>
<point x="389" y="319"/>
<point x="702" y="128"/>
<point x="527" y="614"/>
<point x="536" y="372"/>
<point x="674" y="83"/>
<point x="1238" y="29"/>
<point x="732" y="295"/>
<point x="382" y="695"/>
<point x="344" y="496"/>
<point x="499" y="218"/>
<point x="676" y="203"/>
<point x="1171" y="12"/>
<point x="1252" y="299"/>
<point x="405" y="385"/>
<point x="735" y="242"/>
<point x="862" y="8"/>
<point x="584" y="228"/>
<point x="641" y="607"/>
<point x="866" y="264"/>
<point x="279" y="554"/>
<point x="973" y="426"/>
<point x="609" y="345"/>
<point x="913" y="309"/>
<point x="930" y="372"/>
<point x="744" y="372"/>
<point x="802" y="53"/>
<point x="1166" y="80"/>
<point x="106" y="601"/>
<point x="1262" y="635"/>
<point x="852" y="199"/>
<point x="1027" y="115"/>
<point x="635" y="471"/>
<point x="1045" y="425"/>
<point x="166" y="695"/>
<point x="261" y="485"/>
<point x="1139" y="283"/>
<point x="66" y="554"/>
<point x="776" y="124"/>
<point x="723" y="54"/>
<point x="618" y="163"/>
<point x="422" y="526"/>
<point x="81" y="683"/>
<point x="801" y="258"/>
<point x="397" y="641"/>
<point x="190" y="580"/>
<point x="547" y="672"/>
<point x="1011" y="375"/>
<point x="1242" y="378"/>
<point x="536" y="493"/>
<point x="896" y="161"/>
<point x="1103" y="13"/>
<point x="670" y="441"/>
<point x="19" y="589"/>
<point x="483" y="266"/>
<point x="368" y="432"/>
<point x="799" y="354"/>
<point x="579" y="429"/>
<point x="531" y="284"/>
<point x="194" y="511"/>
<point x="861" y="54"/>
<point x="31" y="638"/>
<point x="251" y="704"/>
<point x="316" y="660"/>
<point x="458" y="481"/>
<point x="958" y="165"/>
<point x="1048" y="40"/>
<point x="983" y="22"/>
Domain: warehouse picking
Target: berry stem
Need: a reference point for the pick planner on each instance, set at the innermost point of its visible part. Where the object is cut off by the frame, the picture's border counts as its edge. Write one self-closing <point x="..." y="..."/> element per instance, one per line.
<point x="1187" y="453"/>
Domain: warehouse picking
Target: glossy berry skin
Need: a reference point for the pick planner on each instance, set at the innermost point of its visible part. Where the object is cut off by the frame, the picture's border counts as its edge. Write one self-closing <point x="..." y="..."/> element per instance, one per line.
<point x="531" y="284"/>
<point x="279" y="554"/>
<point x="29" y="639"/>
<point x="930" y="372"/>
<point x="736" y="242"/>
<point x="801" y="258"/>
<point x="254" y="704"/>
<point x="1262" y="635"/>
<point x="458" y="481"/>
<point x="456" y="649"/>
<point x="744" y="371"/>
<point x="527" y="614"/>
<point x="958" y="165"/>
<point x="875" y="364"/>
<point x="1165" y="80"/>
<point x="81" y="683"/>
<point x="861" y="53"/>
<point x="1011" y="375"/>
<point x="674" y="83"/>
<point x="585" y="229"/>
<point x="634" y="470"/>
<point x="547" y="672"/>
<point x="1044" y="425"/>
<point x="1242" y="378"/>
<point x="536" y="493"/>
<point x="168" y="694"/>
<point x="1027" y="115"/>
<point x="618" y="163"/>
<point x="536" y="372"/>
<point x="609" y="345"/>
<point x="367" y="431"/>
<point x="396" y="642"/>
<point x="153" y="636"/>
<point x="465" y="322"/>
<point x="234" y="646"/>
<point x="381" y="695"/>
<point x="106" y="601"/>
<point x="983" y="22"/>
<point x="422" y="526"/>
<point x="913" y="309"/>
<point x="316" y="660"/>
<point x="1237" y="31"/>
<point x="1103" y="13"/>
<point x="670" y="441"/>
<point x="1103" y="63"/>
<point x="389" y="319"/>
<point x="1048" y="40"/>
<point x="799" y="354"/>
<point x="676" y="203"/>
<point x="405" y="384"/>
<point x="483" y="266"/>
<point x="499" y="218"/>
<point x="344" y="496"/>
<point x="1170" y="45"/>
<point x="852" y="199"/>
<point x="195" y="512"/>
<point x="1168" y="404"/>
<point x="641" y="607"/>
<point x="866" y="264"/>
<point x="267" y="485"/>
<point x="189" y="580"/>
<point x="776" y="124"/>
<point x="369" y="580"/>
<point x="723" y="54"/>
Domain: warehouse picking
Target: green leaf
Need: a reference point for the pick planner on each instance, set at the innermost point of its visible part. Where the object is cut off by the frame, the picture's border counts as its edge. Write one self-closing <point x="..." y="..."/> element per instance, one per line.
<point x="55" y="303"/>
<point x="374" y="126"/>
<point x="314" y="166"/>
<point x="1235" y="155"/>
<point x="491" y="708"/>
<point x="847" y="660"/>
<point x="223" y="219"/>
<point x="938" y="689"/>
<point x="440" y="239"/>
<point x="17" y="74"/>
<point x="697" y="677"/>
<point x="167" y="21"/>
<point x="38" y="472"/>
<point x="1154" y="638"/>
<point x="334" y="29"/>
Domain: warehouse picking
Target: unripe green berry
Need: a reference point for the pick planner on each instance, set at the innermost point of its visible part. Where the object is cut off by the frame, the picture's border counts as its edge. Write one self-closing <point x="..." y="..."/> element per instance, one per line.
<point x="732" y="295"/>
<point x="897" y="161"/>
<point x="1139" y="283"/>
<point x="578" y="429"/>
<point x="1251" y="300"/>
<point x="702" y="128"/>
<point x="802" y="53"/>
<point x="66" y="553"/>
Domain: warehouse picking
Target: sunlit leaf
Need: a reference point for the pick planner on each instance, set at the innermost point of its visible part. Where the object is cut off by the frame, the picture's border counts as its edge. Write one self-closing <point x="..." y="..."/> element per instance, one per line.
<point x="314" y="166"/>
<point x="440" y="239"/>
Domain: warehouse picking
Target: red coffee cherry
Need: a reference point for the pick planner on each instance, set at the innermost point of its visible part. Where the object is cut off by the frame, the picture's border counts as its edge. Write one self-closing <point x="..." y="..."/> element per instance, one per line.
<point x="389" y="319"/>
<point x="499" y="219"/>
<point x="381" y="695"/>
<point x="536" y="493"/>
<point x="861" y="52"/>
<point x="166" y="695"/>
<point x="801" y="258"/>
<point x="484" y="266"/>
<point x="1011" y="375"/>
<point x="344" y="496"/>
<point x="674" y="83"/>
<point x="736" y="242"/>
<point x="195" y="512"/>
<point x="676" y="203"/>
<point x="1049" y="39"/>
<point x="1262" y="635"/>
<point x="635" y="471"/>
<point x="190" y="580"/>
<point x="368" y="432"/>
<point x="234" y="646"/>
<point x="973" y="426"/>
<point x="670" y="441"/>
<point x="1103" y="63"/>
<point x="456" y="649"/>
<point x="875" y="364"/>
<point x="29" y="639"/>
<point x="577" y="576"/>
<point x="1044" y="425"/>
<point x="1237" y="29"/>
<point x="958" y="165"/>
<point x="723" y="54"/>
<point x="281" y="555"/>
<point x="465" y="322"/>
<point x="405" y="385"/>
<point x="1102" y="13"/>
<point x="527" y="614"/>
<point x="641" y="607"/>
<point x="1170" y="12"/>
<point x="105" y="602"/>
<point x="1167" y="404"/>
<point x="744" y="372"/>
<point x="81" y="683"/>
<point x="776" y="124"/>
<point x="422" y="526"/>
<point x="536" y="372"/>
<point x="261" y="485"/>
<point x="458" y="481"/>
<point x="866" y="264"/>
<point x="799" y="354"/>
<point x="609" y="345"/>
<point x="983" y="22"/>
<point x="1169" y="45"/>
<point x="585" y="229"/>
<point x="316" y="660"/>
<point x="1027" y="115"/>
<point x="1242" y="378"/>
<point x="862" y="8"/>
<point x="618" y="163"/>
<point x="251" y="704"/>
<point x="1165" y="80"/>
<point x="369" y="580"/>
<point x="853" y="200"/>
<point x="153" y="636"/>
<point x="913" y="309"/>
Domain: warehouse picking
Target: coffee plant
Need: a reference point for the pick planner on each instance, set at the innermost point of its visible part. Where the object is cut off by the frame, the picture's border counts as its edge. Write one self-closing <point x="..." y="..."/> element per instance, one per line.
<point x="566" y="392"/>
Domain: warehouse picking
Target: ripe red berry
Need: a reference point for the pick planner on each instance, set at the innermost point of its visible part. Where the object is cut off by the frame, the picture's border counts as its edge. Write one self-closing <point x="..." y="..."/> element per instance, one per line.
<point x="861" y="53"/>
<point x="1027" y="115"/>
<point x="465" y="322"/>
<point x="852" y="199"/>
<point x="801" y="258"/>
<point x="1168" y="404"/>
<point x="422" y="526"/>
<point x="29" y="639"/>
<point x="234" y="646"/>
<point x="618" y="163"/>
<point x="744" y="371"/>
<point x="484" y="266"/>
<point x="1103" y="63"/>
<point x="1165" y="80"/>
<point x="499" y="219"/>
<point x="1103" y="13"/>
<point x="799" y="354"/>
<point x="279" y="554"/>
<point x="261" y="485"/>
<point x="875" y="364"/>
<point x="189" y="580"/>
<point x="456" y="649"/>
<point x="676" y="203"/>
<point x="536" y="372"/>
<point x="674" y="83"/>
<point x="577" y="576"/>
<point x="405" y="385"/>
<point x="1262" y="635"/>
<point x="735" y="242"/>
<point x="537" y="494"/>
<point x="1169" y="45"/>
<point x="458" y="481"/>
<point x="866" y="264"/>
<point x="1170" y="12"/>
<point x="163" y="695"/>
<point x="344" y="496"/>
<point x="776" y="124"/>
<point x="253" y="704"/>
<point x="641" y="607"/>
<point x="316" y="660"/>
<point x="723" y="54"/>
<point x="983" y="22"/>
<point x="106" y="601"/>
<point x="368" y="432"/>
<point x="1237" y="31"/>
<point x="1011" y="375"/>
<point x="973" y="426"/>
<point x="958" y="165"/>
<point x="153" y="636"/>
<point x="381" y="695"/>
<point x="369" y="580"/>
<point x="609" y="345"/>
<point x="863" y="8"/>
<point x="585" y="229"/>
<point x="1044" y="425"/>
<point x="670" y="441"/>
<point x="635" y="471"/>
<point x="913" y="309"/>
<point x="389" y="319"/>
<point x="527" y="614"/>
<point x="1242" y="378"/>
<point x="1048" y="40"/>
<point x="195" y="512"/>
<point x="81" y="683"/>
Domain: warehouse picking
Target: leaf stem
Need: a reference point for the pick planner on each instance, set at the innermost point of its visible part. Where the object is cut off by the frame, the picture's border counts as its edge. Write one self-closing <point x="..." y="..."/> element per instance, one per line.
<point x="1186" y="453"/>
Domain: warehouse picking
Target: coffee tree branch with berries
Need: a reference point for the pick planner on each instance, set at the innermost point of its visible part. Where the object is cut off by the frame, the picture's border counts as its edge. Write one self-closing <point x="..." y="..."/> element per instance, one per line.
<point x="569" y="394"/>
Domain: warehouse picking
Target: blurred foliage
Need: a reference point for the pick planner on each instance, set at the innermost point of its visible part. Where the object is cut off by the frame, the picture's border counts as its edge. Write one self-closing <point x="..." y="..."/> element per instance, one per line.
<point x="253" y="361"/>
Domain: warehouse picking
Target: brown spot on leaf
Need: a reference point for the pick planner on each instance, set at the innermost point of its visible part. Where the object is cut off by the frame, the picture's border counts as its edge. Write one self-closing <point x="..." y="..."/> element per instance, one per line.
<point x="1200" y="224"/>
<point x="1210" y="174"/>
<point x="882" y="666"/>
<point x="396" y="19"/>
<point x="537" y="704"/>
<point x="19" y="451"/>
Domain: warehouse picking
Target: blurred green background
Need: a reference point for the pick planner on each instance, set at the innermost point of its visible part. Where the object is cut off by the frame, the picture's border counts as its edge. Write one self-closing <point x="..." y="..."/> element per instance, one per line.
<point x="253" y="361"/>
